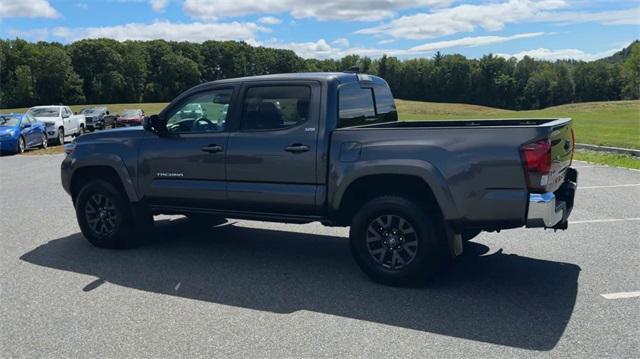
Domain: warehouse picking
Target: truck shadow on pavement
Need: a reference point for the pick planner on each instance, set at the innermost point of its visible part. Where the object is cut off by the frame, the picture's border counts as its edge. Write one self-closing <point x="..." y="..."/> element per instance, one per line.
<point x="497" y="298"/>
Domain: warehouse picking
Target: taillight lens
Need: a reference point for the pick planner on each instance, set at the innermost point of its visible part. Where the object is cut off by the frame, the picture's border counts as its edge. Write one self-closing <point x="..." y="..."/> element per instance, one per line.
<point x="537" y="156"/>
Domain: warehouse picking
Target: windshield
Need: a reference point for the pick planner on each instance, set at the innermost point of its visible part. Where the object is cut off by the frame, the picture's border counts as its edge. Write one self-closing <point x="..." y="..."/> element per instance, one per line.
<point x="44" y="112"/>
<point x="92" y="111"/>
<point x="130" y="113"/>
<point x="9" y="120"/>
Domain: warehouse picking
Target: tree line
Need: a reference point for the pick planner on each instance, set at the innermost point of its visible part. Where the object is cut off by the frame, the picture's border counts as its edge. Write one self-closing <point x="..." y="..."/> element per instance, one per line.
<point x="108" y="71"/>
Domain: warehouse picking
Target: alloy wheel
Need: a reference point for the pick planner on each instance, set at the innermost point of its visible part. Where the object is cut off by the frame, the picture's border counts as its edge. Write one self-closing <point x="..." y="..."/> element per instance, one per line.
<point x="101" y="215"/>
<point x="392" y="241"/>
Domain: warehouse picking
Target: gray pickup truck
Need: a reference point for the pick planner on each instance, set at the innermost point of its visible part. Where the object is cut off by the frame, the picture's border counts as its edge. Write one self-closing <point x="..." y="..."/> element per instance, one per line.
<point x="325" y="147"/>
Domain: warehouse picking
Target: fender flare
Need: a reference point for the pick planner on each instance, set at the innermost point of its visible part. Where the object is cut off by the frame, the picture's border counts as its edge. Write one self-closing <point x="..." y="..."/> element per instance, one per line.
<point x="114" y="162"/>
<point x="424" y="170"/>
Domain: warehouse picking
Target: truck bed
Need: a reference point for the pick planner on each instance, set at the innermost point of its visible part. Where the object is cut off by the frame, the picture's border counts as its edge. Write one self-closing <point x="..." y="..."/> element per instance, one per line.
<point x="478" y="163"/>
<point x="511" y="122"/>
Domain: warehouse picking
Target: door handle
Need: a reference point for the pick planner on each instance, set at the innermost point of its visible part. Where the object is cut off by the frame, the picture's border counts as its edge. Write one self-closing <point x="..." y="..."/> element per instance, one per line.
<point x="297" y="148"/>
<point x="212" y="148"/>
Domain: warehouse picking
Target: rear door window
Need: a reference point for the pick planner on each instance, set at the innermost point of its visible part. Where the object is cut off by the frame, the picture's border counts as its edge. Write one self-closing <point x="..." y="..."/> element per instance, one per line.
<point x="275" y="107"/>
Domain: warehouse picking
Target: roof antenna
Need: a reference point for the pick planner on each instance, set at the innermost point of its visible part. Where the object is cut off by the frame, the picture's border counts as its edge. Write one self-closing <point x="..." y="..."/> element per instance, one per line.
<point x="353" y="70"/>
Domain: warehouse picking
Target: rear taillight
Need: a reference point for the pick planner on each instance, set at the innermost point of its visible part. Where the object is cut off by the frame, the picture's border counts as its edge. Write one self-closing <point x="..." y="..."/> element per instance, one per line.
<point x="536" y="158"/>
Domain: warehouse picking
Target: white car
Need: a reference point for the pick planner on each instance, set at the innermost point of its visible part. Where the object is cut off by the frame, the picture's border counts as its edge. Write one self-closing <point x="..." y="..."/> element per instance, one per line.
<point x="60" y="122"/>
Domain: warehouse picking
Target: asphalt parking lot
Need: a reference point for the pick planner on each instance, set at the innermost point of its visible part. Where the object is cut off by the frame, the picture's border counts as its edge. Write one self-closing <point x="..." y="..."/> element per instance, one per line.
<point x="253" y="289"/>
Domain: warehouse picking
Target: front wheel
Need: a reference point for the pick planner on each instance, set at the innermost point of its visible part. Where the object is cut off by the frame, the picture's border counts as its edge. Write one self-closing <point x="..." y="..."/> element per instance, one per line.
<point x="106" y="217"/>
<point x="397" y="242"/>
<point x="44" y="141"/>
<point x="60" y="138"/>
<point x="21" y="145"/>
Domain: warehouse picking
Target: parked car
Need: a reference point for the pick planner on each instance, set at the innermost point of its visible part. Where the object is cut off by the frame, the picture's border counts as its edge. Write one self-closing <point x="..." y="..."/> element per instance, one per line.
<point x="19" y="132"/>
<point x="59" y="121"/>
<point x="332" y="151"/>
<point x="130" y="118"/>
<point x="98" y="118"/>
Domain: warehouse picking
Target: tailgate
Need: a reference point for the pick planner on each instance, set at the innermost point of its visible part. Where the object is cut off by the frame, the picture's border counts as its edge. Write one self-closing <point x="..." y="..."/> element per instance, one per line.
<point x="562" y="147"/>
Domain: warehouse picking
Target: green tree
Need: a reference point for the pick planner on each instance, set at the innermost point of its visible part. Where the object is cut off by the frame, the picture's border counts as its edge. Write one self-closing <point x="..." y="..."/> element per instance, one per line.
<point x="23" y="90"/>
<point x="631" y="73"/>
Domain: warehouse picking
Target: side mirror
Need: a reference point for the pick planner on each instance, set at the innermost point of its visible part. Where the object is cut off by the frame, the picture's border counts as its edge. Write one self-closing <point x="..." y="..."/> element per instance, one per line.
<point x="108" y="113"/>
<point x="155" y="124"/>
<point x="26" y="125"/>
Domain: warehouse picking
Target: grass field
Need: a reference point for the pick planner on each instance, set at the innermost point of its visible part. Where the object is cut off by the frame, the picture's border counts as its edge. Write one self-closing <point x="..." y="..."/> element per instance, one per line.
<point x="614" y="123"/>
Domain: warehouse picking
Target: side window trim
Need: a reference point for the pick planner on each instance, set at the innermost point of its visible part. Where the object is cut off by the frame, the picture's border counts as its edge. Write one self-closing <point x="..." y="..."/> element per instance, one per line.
<point x="242" y="107"/>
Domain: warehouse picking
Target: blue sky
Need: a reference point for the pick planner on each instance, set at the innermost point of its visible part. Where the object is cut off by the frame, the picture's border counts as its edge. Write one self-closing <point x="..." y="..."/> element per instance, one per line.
<point x="548" y="29"/>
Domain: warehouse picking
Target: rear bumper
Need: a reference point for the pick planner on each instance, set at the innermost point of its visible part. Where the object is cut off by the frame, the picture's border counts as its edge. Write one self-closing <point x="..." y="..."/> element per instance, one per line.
<point x="552" y="209"/>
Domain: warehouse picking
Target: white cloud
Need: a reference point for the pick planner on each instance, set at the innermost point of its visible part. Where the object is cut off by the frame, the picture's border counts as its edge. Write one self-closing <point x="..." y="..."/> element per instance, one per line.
<point x="194" y="32"/>
<point x="352" y="10"/>
<point x="473" y="41"/>
<point x="37" y="34"/>
<point x="561" y="54"/>
<point x="158" y="5"/>
<point x="28" y="8"/>
<point x="342" y="42"/>
<point x="269" y="20"/>
<point x="463" y="18"/>
<point x="321" y="49"/>
<point x="629" y="16"/>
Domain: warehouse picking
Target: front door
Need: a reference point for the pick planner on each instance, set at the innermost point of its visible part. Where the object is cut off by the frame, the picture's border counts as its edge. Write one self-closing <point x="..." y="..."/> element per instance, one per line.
<point x="186" y="168"/>
<point x="271" y="158"/>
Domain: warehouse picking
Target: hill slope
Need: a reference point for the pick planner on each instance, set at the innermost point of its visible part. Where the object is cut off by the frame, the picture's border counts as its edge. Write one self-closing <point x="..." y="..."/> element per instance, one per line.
<point x="621" y="55"/>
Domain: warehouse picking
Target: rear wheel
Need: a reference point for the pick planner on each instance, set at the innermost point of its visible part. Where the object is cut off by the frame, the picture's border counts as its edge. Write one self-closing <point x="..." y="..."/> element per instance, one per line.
<point x="396" y="241"/>
<point x="106" y="217"/>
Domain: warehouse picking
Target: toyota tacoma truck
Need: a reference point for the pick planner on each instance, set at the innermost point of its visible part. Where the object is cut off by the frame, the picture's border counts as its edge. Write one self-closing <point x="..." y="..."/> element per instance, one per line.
<point x="325" y="147"/>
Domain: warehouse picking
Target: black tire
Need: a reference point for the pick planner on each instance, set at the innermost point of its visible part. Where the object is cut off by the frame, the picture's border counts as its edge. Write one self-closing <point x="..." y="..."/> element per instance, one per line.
<point x="123" y="225"/>
<point x="60" y="138"/>
<point x="45" y="142"/>
<point x="419" y="232"/>
<point x="21" y="145"/>
<point x="82" y="131"/>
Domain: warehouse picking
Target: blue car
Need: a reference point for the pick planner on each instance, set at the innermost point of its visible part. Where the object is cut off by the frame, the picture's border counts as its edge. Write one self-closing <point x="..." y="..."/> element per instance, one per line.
<point x="19" y="132"/>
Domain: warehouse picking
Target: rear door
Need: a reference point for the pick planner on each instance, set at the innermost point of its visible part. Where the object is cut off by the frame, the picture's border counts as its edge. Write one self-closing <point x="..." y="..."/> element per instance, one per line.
<point x="271" y="159"/>
<point x="186" y="168"/>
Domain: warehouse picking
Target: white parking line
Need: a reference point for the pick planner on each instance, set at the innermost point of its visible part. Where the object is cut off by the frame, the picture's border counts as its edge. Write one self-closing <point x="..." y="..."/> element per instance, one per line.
<point x="621" y="295"/>
<point x="611" y="186"/>
<point x="604" y="220"/>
